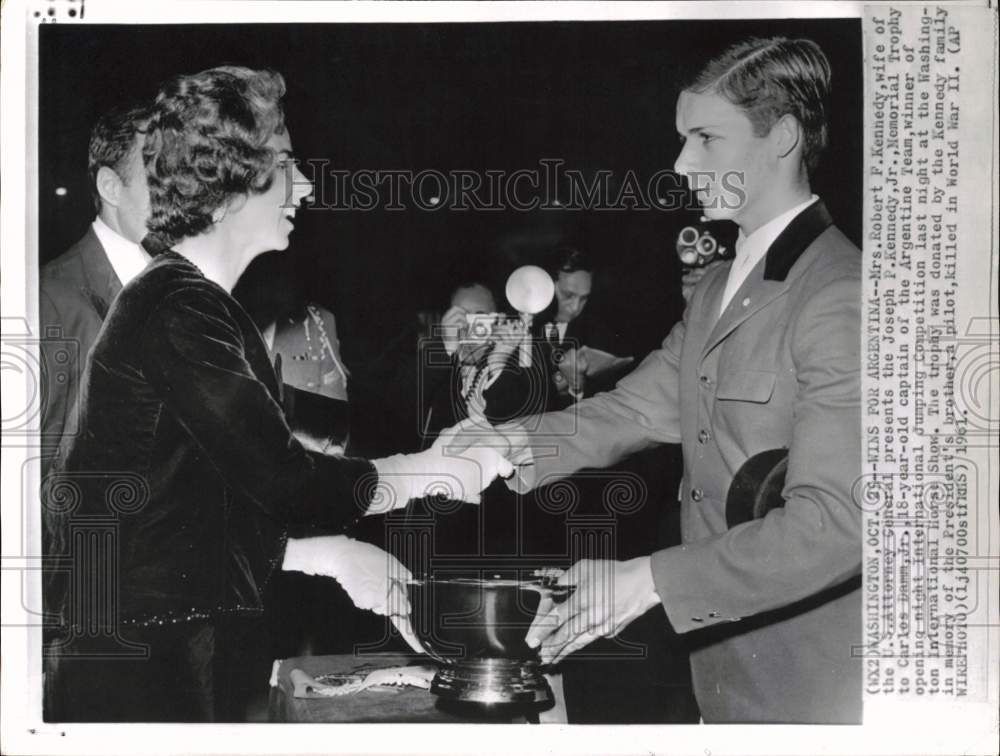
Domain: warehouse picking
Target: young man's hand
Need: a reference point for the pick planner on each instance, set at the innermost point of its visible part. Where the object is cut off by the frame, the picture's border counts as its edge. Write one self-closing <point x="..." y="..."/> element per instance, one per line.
<point x="606" y="597"/>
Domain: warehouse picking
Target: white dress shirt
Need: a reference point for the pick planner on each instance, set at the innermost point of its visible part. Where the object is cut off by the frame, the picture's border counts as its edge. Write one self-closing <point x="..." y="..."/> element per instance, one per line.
<point x="751" y="249"/>
<point x="126" y="258"/>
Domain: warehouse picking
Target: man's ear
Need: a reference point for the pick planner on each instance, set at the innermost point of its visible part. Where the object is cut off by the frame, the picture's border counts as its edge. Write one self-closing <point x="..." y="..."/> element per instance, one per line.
<point x="109" y="186"/>
<point x="786" y="135"/>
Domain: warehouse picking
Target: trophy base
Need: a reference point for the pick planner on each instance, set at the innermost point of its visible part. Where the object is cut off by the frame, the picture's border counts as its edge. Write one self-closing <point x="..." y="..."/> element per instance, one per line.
<point x="492" y="681"/>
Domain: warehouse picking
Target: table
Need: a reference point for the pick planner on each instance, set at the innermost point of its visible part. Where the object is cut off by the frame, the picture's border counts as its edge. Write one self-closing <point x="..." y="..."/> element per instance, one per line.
<point x="385" y="704"/>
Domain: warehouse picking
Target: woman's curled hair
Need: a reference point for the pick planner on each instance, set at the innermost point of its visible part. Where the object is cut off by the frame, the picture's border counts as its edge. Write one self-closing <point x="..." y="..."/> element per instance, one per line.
<point x="206" y="144"/>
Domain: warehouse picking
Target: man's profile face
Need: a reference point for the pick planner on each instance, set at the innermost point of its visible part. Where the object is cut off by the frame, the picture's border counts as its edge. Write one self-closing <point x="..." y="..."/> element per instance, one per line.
<point x="133" y="199"/>
<point x="727" y="167"/>
<point x="572" y="293"/>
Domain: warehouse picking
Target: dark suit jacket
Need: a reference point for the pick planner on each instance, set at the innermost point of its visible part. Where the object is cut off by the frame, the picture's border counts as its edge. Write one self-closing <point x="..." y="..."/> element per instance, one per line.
<point x="586" y="330"/>
<point x="76" y="290"/>
<point x="777" y="599"/>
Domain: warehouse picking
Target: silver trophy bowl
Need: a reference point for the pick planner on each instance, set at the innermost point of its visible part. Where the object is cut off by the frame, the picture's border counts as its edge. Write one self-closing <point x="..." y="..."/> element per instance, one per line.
<point x="475" y="629"/>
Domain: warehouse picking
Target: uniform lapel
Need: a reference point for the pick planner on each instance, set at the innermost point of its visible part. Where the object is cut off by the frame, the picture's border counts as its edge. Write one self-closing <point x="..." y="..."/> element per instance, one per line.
<point x="752" y="295"/>
<point x="793" y="241"/>
<point x="769" y="278"/>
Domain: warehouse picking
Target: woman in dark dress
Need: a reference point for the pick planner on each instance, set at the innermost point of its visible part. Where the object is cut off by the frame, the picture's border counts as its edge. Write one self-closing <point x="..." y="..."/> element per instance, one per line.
<point x="167" y="512"/>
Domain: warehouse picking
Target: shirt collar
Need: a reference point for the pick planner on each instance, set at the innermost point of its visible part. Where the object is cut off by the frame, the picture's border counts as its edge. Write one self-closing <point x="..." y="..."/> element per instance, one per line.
<point x="127" y="258"/>
<point x="750" y="249"/>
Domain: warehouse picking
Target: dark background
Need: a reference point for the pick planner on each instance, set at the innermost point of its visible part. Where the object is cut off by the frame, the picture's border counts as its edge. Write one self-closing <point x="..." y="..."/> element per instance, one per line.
<point x="442" y="96"/>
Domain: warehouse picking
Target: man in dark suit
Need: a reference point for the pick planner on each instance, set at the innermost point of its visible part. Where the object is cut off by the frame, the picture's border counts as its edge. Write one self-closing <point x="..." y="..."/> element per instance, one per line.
<point x="767" y="356"/>
<point x="567" y="325"/>
<point x="77" y="287"/>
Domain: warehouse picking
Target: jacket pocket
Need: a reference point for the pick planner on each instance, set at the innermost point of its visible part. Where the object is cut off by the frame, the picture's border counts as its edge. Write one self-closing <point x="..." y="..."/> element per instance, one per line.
<point x="746" y="386"/>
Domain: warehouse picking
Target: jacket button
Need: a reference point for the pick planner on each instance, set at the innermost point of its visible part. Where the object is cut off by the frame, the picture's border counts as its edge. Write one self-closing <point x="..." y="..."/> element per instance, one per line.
<point x="705" y="381"/>
<point x="697" y="494"/>
<point x="703" y="436"/>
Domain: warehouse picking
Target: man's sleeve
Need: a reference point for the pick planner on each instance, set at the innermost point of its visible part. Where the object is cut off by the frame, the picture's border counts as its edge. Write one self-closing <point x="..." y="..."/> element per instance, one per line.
<point x="640" y="412"/>
<point x="194" y="358"/>
<point x="814" y="542"/>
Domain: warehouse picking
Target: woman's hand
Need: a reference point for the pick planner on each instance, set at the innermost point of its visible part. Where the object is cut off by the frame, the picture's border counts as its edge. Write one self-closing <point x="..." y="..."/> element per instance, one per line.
<point x="374" y="579"/>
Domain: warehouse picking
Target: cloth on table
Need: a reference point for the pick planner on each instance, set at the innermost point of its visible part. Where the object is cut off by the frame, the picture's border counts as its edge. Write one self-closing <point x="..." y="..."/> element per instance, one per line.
<point x="381" y="704"/>
<point x="330" y="685"/>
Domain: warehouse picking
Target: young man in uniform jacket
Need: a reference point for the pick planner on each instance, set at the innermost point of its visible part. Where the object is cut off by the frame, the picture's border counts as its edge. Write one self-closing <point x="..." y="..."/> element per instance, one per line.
<point x="767" y="356"/>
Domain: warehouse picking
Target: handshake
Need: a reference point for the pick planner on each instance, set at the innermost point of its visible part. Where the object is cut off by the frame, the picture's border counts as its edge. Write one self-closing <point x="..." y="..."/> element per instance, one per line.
<point x="464" y="460"/>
